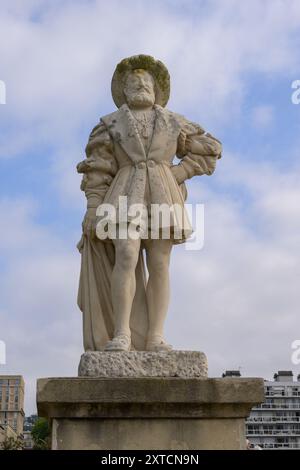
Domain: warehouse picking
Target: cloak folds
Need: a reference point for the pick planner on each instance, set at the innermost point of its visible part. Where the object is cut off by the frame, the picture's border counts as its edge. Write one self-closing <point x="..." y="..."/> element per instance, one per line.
<point x="94" y="296"/>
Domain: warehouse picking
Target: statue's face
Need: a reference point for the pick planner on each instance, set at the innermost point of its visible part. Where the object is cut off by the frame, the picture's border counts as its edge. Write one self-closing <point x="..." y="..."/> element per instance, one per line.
<point x="139" y="89"/>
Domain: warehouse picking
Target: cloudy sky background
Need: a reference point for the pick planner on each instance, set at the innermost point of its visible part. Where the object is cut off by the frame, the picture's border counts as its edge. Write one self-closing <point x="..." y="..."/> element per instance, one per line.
<point x="232" y="64"/>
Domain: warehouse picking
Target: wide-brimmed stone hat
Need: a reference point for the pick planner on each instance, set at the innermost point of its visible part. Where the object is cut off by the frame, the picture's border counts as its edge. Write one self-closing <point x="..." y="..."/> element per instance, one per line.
<point x="155" y="67"/>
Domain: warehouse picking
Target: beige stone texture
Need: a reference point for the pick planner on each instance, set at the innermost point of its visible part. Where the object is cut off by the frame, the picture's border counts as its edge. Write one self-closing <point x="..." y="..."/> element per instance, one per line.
<point x="148" y="413"/>
<point x="143" y="364"/>
<point x="149" y="434"/>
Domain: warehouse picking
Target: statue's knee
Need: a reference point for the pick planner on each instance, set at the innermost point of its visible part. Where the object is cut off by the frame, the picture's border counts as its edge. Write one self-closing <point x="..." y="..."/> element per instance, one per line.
<point x="158" y="266"/>
<point x="127" y="258"/>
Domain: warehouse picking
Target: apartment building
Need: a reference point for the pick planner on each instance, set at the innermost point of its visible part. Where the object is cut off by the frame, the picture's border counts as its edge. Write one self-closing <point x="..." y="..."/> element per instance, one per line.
<point x="12" y="402"/>
<point x="29" y="422"/>
<point x="275" y="424"/>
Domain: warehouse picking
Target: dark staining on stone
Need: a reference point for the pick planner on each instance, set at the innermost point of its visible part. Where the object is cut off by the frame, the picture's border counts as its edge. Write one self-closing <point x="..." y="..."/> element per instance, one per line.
<point x="118" y="137"/>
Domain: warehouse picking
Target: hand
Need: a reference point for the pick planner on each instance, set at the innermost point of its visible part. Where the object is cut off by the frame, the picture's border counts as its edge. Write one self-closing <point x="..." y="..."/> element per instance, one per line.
<point x="89" y="223"/>
<point x="179" y="173"/>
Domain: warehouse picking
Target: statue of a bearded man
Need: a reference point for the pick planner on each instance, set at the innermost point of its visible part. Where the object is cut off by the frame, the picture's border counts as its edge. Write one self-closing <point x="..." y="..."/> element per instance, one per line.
<point x="129" y="156"/>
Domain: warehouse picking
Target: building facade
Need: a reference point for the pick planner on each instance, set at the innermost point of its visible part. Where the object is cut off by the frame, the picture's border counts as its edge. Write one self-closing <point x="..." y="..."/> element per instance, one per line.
<point x="29" y="422"/>
<point x="12" y="402"/>
<point x="275" y="424"/>
<point x="27" y="440"/>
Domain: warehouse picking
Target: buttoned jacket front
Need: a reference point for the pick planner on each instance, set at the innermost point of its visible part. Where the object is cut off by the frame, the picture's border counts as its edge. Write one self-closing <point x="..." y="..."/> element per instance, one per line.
<point x="135" y="166"/>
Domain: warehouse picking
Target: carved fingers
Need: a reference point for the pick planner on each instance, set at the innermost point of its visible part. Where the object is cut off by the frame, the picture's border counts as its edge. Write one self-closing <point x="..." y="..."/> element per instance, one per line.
<point x="89" y="223"/>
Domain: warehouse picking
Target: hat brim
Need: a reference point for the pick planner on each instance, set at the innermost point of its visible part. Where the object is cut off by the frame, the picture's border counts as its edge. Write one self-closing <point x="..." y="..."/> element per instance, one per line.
<point x="155" y="67"/>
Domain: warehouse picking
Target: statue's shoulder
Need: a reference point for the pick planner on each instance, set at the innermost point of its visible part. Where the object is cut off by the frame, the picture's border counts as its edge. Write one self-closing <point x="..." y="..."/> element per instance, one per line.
<point x="174" y="119"/>
<point x="172" y="115"/>
<point x="177" y="116"/>
<point x="186" y="125"/>
<point x="167" y="113"/>
<point x="103" y="125"/>
<point x="98" y="136"/>
<point x="110" y="118"/>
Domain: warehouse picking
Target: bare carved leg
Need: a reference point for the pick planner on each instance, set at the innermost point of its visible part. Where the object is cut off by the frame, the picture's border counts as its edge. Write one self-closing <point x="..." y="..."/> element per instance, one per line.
<point x="158" y="291"/>
<point x="123" y="285"/>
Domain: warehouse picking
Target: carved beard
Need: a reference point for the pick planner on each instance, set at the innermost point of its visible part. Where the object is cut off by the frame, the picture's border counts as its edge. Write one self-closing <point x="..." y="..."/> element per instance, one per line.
<point x="141" y="98"/>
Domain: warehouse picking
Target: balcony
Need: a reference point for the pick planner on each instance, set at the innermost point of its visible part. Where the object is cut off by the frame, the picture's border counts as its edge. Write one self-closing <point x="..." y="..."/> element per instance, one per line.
<point x="273" y="406"/>
<point x="281" y="432"/>
<point x="280" y="446"/>
<point x="273" y="419"/>
<point x="280" y="394"/>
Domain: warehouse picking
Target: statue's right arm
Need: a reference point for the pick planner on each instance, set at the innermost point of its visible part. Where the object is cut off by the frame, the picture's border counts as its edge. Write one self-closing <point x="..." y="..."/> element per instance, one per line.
<point x="99" y="169"/>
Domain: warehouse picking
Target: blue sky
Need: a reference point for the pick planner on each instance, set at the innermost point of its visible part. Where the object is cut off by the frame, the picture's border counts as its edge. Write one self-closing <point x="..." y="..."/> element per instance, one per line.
<point x="232" y="64"/>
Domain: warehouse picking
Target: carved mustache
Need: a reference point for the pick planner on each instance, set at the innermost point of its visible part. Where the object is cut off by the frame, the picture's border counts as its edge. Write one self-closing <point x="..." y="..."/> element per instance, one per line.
<point x="143" y="88"/>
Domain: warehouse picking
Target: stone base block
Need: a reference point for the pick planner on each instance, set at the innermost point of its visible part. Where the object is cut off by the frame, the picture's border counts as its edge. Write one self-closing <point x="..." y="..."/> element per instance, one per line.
<point x="152" y="413"/>
<point x="143" y="364"/>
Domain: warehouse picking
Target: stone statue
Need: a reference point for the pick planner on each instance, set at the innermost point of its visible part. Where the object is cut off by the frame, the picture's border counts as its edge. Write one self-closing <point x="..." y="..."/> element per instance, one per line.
<point x="130" y="155"/>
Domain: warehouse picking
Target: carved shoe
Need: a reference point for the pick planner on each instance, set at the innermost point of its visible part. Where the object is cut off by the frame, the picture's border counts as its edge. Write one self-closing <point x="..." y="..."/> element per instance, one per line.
<point x="119" y="343"/>
<point x="158" y="344"/>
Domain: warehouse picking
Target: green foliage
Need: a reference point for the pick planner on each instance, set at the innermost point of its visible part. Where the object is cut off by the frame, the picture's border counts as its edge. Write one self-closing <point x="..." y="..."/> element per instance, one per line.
<point x="41" y="434"/>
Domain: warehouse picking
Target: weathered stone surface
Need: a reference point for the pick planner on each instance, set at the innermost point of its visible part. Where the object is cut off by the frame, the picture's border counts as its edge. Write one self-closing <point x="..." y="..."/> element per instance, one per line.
<point x="143" y="364"/>
<point x="149" y="434"/>
<point x="148" y="413"/>
<point x="156" y="397"/>
<point x="130" y="155"/>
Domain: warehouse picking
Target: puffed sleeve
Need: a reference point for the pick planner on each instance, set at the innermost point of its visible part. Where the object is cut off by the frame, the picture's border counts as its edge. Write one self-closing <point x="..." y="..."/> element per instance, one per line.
<point x="197" y="149"/>
<point x="99" y="167"/>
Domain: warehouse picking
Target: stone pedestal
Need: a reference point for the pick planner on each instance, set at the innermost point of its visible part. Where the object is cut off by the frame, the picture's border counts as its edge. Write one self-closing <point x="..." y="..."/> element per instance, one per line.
<point x="147" y="412"/>
<point x="185" y="364"/>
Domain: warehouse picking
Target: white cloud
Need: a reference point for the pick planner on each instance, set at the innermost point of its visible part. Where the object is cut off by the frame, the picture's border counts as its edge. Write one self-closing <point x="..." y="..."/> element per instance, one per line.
<point x="263" y="116"/>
